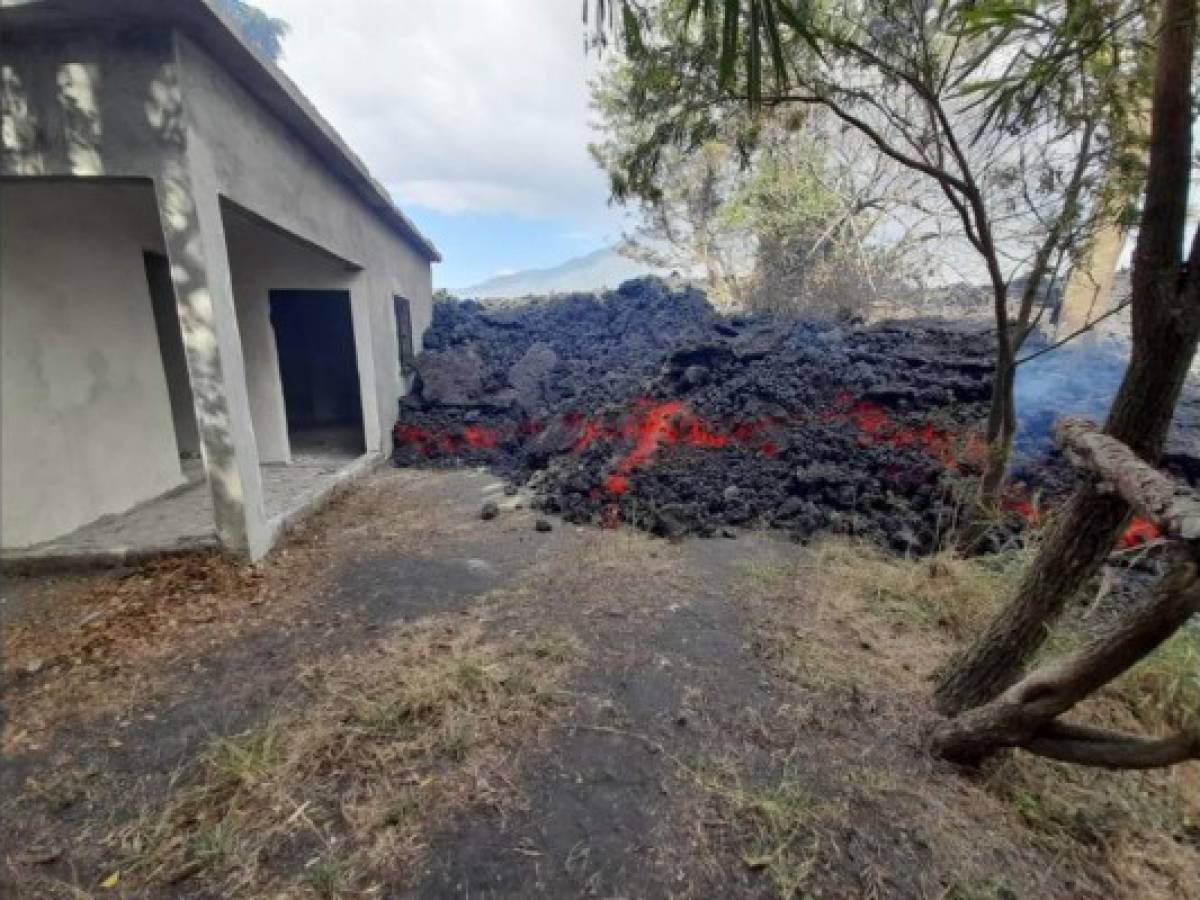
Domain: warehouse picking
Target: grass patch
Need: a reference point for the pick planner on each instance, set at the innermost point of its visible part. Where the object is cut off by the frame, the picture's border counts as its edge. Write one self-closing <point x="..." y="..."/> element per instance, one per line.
<point x="775" y="824"/>
<point x="846" y="621"/>
<point x="1069" y="804"/>
<point x="1164" y="689"/>
<point x="390" y="738"/>
<point x="555" y="646"/>
<point x="329" y="877"/>
<point x="958" y="595"/>
<point x="767" y="574"/>
<point x="944" y="591"/>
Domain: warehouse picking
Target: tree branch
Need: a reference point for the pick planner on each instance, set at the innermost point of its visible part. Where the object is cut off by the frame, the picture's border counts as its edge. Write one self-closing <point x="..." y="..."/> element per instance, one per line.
<point x="1153" y="494"/>
<point x="1113" y="750"/>
<point x="1076" y="333"/>
<point x="1019" y="715"/>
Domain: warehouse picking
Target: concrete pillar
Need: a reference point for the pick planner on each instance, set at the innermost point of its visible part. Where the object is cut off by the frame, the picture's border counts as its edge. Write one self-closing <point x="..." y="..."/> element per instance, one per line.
<point x="263" y="381"/>
<point x="195" y="241"/>
<point x="360" y="314"/>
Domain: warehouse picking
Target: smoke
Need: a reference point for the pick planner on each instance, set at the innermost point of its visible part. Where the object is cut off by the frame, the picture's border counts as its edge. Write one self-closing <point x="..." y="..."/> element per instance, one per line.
<point x="1079" y="378"/>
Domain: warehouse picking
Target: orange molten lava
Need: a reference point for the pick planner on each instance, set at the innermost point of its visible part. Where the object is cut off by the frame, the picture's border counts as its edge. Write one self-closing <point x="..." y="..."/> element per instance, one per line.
<point x="1022" y="506"/>
<point x="878" y="427"/>
<point x="651" y="425"/>
<point x="1140" y="531"/>
<point x="429" y="443"/>
<point x="480" y="438"/>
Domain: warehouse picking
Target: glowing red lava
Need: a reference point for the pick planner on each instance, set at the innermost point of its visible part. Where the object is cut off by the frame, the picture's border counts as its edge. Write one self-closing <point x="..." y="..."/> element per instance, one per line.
<point x="1139" y="533"/>
<point x="480" y="438"/>
<point x="652" y="425"/>
<point x="429" y="443"/>
<point x="878" y="427"/>
<point x="617" y="484"/>
<point x="1023" y="507"/>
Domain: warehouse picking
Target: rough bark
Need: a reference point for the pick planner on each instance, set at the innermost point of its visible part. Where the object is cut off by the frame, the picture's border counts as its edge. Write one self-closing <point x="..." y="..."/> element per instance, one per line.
<point x="1173" y="507"/>
<point x="1166" y="326"/>
<point x="1086" y="746"/>
<point x="1002" y="429"/>
<point x="1017" y="716"/>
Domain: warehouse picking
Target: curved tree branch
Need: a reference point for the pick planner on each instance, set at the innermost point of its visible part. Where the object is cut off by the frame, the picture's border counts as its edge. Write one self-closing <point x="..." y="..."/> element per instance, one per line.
<point x="1113" y="750"/>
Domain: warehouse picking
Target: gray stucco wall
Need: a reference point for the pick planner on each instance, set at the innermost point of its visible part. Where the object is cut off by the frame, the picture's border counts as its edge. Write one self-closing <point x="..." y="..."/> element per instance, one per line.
<point x="259" y="164"/>
<point x="88" y="104"/>
<point x="116" y="102"/>
<point x="85" y="419"/>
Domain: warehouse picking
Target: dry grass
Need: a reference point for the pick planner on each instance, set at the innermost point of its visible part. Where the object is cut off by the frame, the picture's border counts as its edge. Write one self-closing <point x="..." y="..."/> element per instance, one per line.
<point x="954" y="596"/>
<point x="612" y="567"/>
<point x="944" y="591"/>
<point x="339" y="792"/>
<point x="1163" y="690"/>
<point x="103" y="642"/>
<point x="848" y="620"/>
<point x="776" y="823"/>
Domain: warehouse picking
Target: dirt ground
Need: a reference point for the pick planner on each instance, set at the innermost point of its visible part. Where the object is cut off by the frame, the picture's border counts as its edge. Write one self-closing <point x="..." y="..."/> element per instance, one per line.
<point x="407" y="701"/>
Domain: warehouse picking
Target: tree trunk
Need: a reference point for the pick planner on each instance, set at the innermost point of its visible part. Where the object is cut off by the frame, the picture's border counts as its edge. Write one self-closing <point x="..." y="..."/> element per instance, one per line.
<point x="1017" y="716"/>
<point x="1166" y="326"/>
<point x="1025" y="714"/>
<point x="1002" y="430"/>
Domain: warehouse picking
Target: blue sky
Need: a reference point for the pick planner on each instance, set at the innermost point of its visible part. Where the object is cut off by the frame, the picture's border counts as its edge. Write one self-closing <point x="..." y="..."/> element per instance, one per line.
<point x="478" y="245"/>
<point x="473" y="113"/>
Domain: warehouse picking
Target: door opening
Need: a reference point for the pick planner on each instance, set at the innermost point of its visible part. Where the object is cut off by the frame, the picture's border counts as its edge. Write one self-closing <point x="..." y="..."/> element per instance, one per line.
<point x="314" y="336"/>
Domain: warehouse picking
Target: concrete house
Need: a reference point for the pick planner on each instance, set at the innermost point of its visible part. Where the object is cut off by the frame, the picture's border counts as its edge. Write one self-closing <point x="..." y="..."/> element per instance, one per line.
<point x="208" y="307"/>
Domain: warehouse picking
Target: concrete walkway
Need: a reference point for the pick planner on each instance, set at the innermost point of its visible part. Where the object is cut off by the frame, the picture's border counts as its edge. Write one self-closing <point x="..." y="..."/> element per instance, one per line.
<point x="182" y="520"/>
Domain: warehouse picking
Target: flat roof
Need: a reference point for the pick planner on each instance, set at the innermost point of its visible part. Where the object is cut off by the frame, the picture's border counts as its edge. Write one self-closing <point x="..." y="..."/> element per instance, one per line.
<point x="261" y="77"/>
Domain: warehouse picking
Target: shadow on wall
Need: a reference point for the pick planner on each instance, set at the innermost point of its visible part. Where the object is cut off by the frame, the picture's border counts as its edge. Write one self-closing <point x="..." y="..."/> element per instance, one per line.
<point x="182" y="228"/>
<point x="79" y="148"/>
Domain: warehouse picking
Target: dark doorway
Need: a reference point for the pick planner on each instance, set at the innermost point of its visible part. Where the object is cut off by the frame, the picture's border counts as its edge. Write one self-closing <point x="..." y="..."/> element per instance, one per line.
<point x="174" y="357"/>
<point x="314" y="334"/>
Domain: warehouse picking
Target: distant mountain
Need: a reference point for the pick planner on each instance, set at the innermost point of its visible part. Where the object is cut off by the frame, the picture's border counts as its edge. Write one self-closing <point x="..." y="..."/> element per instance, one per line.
<point x="603" y="269"/>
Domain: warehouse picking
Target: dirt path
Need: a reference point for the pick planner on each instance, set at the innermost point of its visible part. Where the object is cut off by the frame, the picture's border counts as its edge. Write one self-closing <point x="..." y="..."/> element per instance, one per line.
<point x="408" y="701"/>
<point x="607" y="810"/>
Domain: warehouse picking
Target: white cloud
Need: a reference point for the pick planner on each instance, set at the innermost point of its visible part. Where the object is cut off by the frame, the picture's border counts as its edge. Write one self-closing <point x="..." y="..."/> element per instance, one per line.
<point x="459" y="105"/>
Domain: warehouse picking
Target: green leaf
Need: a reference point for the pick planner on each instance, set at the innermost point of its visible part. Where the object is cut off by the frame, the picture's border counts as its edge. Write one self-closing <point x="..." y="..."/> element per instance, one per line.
<point x="634" y="45"/>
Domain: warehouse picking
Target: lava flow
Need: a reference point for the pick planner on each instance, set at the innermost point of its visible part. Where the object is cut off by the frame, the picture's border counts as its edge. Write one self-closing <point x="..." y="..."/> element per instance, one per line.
<point x="1139" y="533"/>
<point x="430" y="443"/>
<point x="652" y="425"/>
<point x="878" y="427"/>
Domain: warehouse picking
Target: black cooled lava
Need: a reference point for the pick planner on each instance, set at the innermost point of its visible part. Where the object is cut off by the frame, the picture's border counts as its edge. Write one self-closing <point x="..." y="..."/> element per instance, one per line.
<point x="645" y="406"/>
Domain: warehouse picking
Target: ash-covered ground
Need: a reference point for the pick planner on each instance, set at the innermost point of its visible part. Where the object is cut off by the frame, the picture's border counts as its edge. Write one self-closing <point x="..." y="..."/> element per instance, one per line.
<point x="645" y="406"/>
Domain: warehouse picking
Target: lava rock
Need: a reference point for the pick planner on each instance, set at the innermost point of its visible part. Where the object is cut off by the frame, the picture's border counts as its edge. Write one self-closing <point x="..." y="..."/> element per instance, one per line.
<point x="543" y="526"/>
<point x="489" y="511"/>
<point x="646" y="406"/>
<point x="450" y="377"/>
<point x="530" y="375"/>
